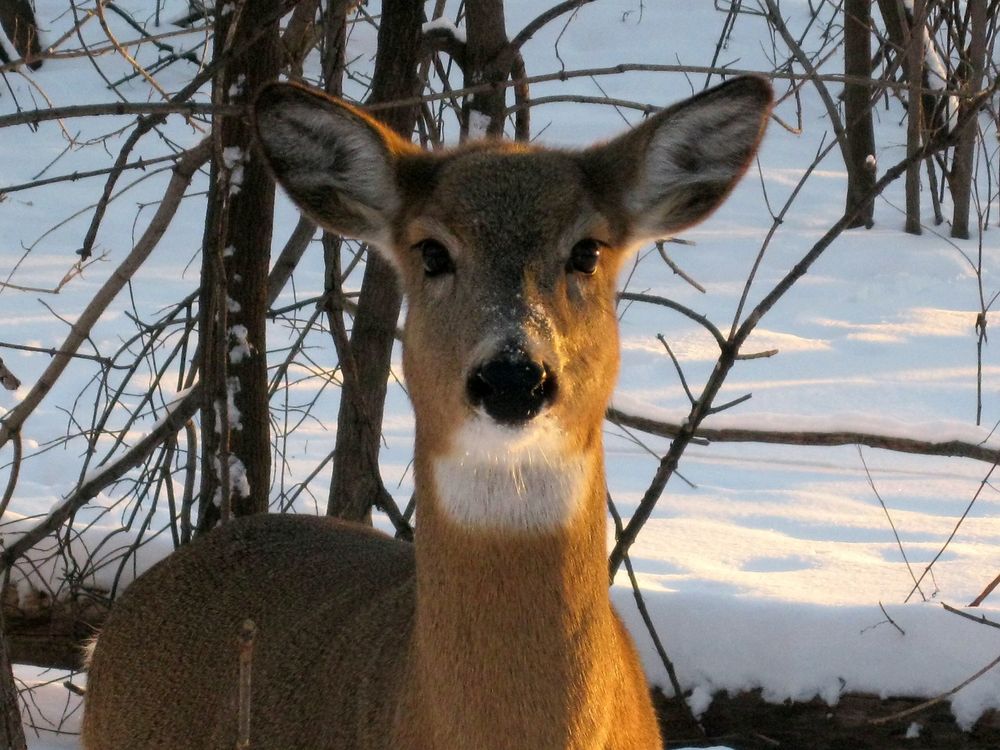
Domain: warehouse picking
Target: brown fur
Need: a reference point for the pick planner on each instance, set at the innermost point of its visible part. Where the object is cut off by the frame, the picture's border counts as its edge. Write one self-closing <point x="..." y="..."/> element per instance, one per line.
<point x="475" y="638"/>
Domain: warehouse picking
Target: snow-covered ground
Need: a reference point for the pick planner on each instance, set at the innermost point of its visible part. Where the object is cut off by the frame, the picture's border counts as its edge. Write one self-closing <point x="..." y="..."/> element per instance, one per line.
<point x="765" y="566"/>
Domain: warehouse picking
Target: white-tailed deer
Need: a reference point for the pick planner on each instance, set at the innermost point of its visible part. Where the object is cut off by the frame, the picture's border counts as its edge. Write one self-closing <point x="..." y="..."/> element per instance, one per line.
<point x="494" y="630"/>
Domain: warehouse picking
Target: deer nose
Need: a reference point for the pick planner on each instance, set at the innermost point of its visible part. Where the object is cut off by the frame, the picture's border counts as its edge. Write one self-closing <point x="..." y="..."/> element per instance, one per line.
<point x="512" y="388"/>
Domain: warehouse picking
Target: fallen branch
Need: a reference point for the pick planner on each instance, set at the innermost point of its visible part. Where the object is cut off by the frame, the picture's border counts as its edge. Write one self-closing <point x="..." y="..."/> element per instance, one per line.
<point x="936" y="699"/>
<point x="47" y="631"/>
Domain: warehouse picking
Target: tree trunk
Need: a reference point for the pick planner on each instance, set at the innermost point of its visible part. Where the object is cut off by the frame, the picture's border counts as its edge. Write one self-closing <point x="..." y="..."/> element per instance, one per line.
<point x="18" y="21"/>
<point x="11" y="729"/>
<point x="963" y="168"/>
<point x="356" y="483"/>
<point x="485" y="62"/>
<point x="915" y="117"/>
<point x="236" y="456"/>
<point x="858" y="111"/>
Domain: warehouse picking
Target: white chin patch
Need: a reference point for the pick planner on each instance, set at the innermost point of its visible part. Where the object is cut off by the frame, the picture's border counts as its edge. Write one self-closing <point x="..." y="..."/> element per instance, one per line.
<point x="510" y="478"/>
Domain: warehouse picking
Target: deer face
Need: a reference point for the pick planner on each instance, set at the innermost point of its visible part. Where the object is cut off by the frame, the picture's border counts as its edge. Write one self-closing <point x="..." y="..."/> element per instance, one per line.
<point x="510" y="288"/>
<point x="508" y="258"/>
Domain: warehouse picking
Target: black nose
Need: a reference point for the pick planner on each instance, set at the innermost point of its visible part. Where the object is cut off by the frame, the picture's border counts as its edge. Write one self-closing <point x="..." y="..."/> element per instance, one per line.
<point x="513" y="388"/>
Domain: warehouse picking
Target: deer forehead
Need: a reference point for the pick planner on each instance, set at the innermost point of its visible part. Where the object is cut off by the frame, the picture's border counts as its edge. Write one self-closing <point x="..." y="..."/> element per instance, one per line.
<point x="505" y="203"/>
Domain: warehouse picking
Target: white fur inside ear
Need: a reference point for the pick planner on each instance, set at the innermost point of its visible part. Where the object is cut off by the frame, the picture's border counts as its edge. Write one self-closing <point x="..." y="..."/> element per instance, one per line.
<point x="317" y="149"/>
<point x="325" y="148"/>
<point x="510" y="479"/>
<point x="705" y="143"/>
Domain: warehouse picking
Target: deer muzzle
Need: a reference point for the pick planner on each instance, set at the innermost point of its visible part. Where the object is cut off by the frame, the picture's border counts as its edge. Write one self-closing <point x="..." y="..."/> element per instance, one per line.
<point x="512" y="387"/>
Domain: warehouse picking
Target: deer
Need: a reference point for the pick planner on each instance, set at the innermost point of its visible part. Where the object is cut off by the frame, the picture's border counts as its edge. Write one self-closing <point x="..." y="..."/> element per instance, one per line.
<point x="494" y="629"/>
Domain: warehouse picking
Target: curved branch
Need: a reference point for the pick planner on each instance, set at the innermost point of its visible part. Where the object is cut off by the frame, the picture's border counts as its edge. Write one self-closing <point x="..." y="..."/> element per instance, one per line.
<point x="539" y="21"/>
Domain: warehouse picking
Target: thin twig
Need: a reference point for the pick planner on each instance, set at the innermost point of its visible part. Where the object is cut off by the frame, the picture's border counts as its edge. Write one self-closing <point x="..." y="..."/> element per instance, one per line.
<point x="954" y="531"/>
<point x="15" y="471"/>
<point x="74" y="176"/>
<point x="677" y="269"/>
<point x="981" y="619"/>
<point x="899" y="542"/>
<point x="640" y="604"/>
<point x="890" y="620"/>
<point x="104" y="476"/>
<point x="985" y="592"/>
<point x="248" y="635"/>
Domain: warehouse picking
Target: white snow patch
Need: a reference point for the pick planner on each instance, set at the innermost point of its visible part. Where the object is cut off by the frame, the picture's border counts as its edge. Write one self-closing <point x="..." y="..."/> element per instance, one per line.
<point x="237" y="87"/>
<point x="234" y="158"/>
<point x="479" y="123"/>
<point x="448" y="25"/>
<point x="238" y="481"/>
<point x="699" y="700"/>
<point x="232" y="411"/>
<point x="241" y="348"/>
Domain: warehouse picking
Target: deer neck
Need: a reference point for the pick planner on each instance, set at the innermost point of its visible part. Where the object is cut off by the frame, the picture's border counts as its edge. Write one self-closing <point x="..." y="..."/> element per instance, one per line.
<point x="511" y="606"/>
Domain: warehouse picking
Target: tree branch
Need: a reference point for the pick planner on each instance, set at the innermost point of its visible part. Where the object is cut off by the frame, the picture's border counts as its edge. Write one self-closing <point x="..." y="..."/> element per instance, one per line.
<point x="949" y="448"/>
<point x="181" y="178"/>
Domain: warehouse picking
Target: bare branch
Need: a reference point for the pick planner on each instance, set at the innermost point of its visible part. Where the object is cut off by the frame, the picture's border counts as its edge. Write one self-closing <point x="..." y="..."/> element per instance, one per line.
<point x="948" y="448"/>
<point x="539" y="21"/>
<point x="181" y="412"/>
<point x="183" y="173"/>
<point x="934" y="701"/>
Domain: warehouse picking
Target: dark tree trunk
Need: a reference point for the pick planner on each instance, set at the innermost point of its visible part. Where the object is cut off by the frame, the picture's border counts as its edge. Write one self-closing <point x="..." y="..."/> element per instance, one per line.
<point x="915" y="115"/>
<point x="486" y="60"/>
<point x="11" y="729"/>
<point x="18" y="22"/>
<point x="962" y="173"/>
<point x="858" y="112"/>
<point x="236" y="455"/>
<point x="356" y="483"/>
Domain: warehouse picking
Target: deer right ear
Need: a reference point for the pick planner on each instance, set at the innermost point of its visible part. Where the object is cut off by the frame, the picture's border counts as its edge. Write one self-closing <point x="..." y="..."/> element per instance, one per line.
<point x="675" y="168"/>
<point x="336" y="163"/>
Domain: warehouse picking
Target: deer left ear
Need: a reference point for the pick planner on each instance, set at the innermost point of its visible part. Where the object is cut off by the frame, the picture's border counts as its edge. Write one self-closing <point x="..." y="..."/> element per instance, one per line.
<point x="338" y="164"/>
<point x="678" y="166"/>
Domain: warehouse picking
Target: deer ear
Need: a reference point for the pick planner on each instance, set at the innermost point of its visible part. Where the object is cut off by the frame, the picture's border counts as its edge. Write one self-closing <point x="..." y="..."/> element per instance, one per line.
<point x="335" y="162"/>
<point x="674" y="169"/>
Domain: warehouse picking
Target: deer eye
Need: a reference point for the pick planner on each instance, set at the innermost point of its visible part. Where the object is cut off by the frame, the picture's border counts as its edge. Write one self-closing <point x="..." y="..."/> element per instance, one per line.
<point x="436" y="259"/>
<point x="584" y="256"/>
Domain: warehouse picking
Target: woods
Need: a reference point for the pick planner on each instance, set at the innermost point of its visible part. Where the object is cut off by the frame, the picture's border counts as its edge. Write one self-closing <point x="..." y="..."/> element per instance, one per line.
<point x="190" y="349"/>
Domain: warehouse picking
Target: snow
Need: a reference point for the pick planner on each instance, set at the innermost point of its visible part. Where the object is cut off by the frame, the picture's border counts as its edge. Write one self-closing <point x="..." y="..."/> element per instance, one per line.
<point x="447" y="25"/>
<point x="234" y="159"/>
<point x="479" y="123"/>
<point x="801" y="651"/>
<point x="766" y="568"/>
<point x="241" y="348"/>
